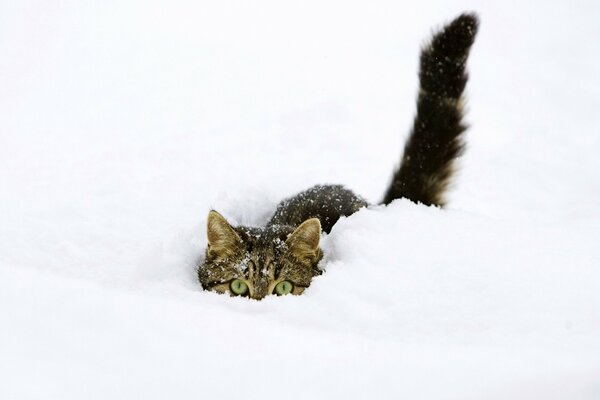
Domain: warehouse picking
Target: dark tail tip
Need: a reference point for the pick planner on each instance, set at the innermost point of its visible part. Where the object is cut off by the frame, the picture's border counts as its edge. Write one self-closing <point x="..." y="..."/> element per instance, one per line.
<point x="459" y="34"/>
<point x="443" y="59"/>
<point x="467" y="22"/>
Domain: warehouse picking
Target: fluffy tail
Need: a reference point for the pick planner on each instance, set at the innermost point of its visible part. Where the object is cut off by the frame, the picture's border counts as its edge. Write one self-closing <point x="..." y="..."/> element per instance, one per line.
<point x="436" y="137"/>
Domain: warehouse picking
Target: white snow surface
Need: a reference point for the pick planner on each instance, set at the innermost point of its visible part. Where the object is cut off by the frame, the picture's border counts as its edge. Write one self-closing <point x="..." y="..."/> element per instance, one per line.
<point x="123" y="123"/>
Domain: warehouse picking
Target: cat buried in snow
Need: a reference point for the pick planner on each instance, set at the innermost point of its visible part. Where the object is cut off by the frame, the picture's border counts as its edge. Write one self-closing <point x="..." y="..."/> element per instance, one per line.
<point x="282" y="257"/>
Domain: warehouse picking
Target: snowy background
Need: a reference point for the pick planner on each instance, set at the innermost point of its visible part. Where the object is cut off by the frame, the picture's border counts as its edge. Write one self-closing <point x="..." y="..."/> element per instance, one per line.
<point x="122" y="123"/>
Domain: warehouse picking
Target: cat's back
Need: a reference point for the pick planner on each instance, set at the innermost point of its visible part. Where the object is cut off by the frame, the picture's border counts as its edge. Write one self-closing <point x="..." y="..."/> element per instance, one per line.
<point x="326" y="202"/>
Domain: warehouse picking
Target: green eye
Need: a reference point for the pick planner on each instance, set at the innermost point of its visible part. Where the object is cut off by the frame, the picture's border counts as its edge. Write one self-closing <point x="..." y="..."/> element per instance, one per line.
<point x="238" y="287"/>
<point x="284" y="287"/>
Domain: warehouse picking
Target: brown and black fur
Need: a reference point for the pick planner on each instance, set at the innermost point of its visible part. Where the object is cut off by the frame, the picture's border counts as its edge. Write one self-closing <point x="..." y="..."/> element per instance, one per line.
<point x="436" y="137"/>
<point x="287" y="248"/>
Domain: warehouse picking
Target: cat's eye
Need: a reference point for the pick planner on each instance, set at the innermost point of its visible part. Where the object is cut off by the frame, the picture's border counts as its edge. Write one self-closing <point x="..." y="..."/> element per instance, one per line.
<point x="238" y="287"/>
<point x="284" y="287"/>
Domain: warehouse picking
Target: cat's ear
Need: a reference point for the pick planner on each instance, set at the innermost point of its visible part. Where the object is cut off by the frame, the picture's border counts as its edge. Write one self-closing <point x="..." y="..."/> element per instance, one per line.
<point x="304" y="241"/>
<point x="222" y="239"/>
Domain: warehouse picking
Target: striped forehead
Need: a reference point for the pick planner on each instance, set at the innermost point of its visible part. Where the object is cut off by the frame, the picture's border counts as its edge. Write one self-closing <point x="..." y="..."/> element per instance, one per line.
<point x="263" y="239"/>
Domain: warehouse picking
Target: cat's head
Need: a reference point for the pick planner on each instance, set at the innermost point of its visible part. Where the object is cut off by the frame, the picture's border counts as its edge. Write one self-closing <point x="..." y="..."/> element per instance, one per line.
<point x="257" y="262"/>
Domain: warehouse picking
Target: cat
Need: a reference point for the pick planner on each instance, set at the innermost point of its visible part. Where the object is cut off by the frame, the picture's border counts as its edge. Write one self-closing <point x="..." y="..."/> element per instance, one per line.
<point x="282" y="257"/>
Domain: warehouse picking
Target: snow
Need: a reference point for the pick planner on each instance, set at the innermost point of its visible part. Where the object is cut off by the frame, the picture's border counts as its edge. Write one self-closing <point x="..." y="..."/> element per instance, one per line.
<point x="124" y="122"/>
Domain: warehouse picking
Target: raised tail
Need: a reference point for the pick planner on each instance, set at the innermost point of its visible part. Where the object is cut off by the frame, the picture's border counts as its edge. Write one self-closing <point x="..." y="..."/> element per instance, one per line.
<point x="436" y="138"/>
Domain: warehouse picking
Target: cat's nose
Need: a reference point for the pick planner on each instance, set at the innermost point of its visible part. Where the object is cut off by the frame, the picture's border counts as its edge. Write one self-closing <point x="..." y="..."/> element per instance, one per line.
<point x="260" y="291"/>
<point x="258" y="295"/>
